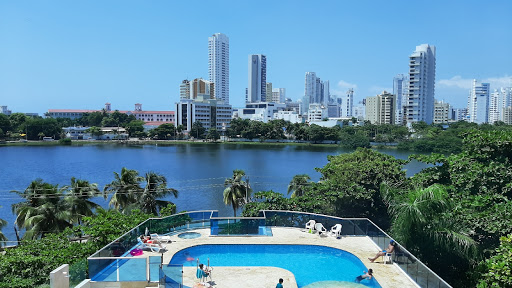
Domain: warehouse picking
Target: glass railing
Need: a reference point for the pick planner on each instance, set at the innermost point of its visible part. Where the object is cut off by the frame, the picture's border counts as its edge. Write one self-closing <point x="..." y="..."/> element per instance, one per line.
<point x="105" y="264"/>
<point x="108" y="263"/>
<point x="238" y="226"/>
<point x="171" y="276"/>
<point x="413" y="267"/>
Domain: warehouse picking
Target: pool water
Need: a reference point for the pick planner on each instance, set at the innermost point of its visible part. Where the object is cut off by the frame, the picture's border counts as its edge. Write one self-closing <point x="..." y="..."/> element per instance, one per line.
<point x="189" y="235"/>
<point x="308" y="263"/>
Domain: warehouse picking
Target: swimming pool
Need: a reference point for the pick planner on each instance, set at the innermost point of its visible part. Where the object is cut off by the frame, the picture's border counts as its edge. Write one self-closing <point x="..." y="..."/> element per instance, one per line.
<point x="308" y="263"/>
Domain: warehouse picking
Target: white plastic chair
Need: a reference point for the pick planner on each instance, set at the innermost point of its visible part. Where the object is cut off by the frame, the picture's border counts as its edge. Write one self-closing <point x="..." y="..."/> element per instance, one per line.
<point x="388" y="257"/>
<point x="336" y="230"/>
<point x="320" y="228"/>
<point x="310" y="226"/>
<point x="161" y="238"/>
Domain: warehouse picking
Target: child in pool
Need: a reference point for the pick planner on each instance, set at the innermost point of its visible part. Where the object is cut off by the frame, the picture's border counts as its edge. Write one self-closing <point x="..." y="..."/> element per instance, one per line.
<point x="367" y="275"/>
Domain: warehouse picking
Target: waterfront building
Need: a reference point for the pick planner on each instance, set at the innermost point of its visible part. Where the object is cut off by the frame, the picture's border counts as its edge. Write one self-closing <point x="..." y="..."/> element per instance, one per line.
<point x="149" y="117"/>
<point x="107" y="133"/>
<point x="317" y="112"/>
<point x="442" y="113"/>
<point x="348" y="104"/>
<point x="257" y="89"/>
<point x="420" y="92"/>
<point x="262" y="111"/>
<point x="478" y="103"/>
<point x="400" y="91"/>
<point x="210" y="112"/>
<point x="381" y="109"/>
<point x="290" y="116"/>
<point x="218" y="65"/>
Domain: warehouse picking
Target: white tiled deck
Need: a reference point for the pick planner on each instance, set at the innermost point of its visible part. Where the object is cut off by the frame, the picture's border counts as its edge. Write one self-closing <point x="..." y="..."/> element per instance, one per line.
<point x="388" y="276"/>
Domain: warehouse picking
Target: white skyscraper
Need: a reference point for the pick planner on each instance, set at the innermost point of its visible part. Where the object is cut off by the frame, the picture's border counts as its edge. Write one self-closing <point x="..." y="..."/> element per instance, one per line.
<point x="316" y="91"/>
<point x="218" y="65"/>
<point x="278" y="95"/>
<point x="422" y="77"/>
<point x="499" y="100"/>
<point x="326" y="95"/>
<point x="478" y="103"/>
<point x="400" y="91"/>
<point x="348" y="104"/>
<point x="257" y="89"/>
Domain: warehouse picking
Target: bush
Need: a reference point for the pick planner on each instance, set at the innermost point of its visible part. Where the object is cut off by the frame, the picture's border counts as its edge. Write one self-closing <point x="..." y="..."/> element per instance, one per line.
<point x="65" y="141"/>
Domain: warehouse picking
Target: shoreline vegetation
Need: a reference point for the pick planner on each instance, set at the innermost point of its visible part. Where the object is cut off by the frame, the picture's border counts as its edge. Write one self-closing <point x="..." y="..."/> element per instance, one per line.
<point x="452" y="211"/>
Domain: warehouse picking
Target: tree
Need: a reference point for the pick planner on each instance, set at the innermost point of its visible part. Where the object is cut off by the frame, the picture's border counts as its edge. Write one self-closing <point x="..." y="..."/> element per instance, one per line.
<point x="156" y="187"/>
<point x="95" y="131"/>
<point x="43" y="210"/>
<point x="237" y="190"/>
<point x="124" y="189"/>
<point x="420" y="219"/>
<point x="135" y="127"/>
<point x="163" y="132"/>
<point x="78" y="198"/>
<point x="197" y="130"/>
<point x="213" y="134"/>
<point x="498" y="267"/>
<point x="298" y="185"/>
<point x="180" y="128"/>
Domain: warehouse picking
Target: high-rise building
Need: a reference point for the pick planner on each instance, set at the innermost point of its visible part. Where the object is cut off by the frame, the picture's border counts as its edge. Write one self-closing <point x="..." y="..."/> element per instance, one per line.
<point x="185" y="89"/>
<point x="257" y="89"/>
<point x="420" y="94"/>
<point x="400" y="91"/>
<point x="268" y="94"/>
<point x="278" y="95"/>
<point x="381" y="109"/>
<point x="507" y="115"/>
<point x="478" y="103"/>
<point x="200" y="89"/>
<point x="348" y="104"/>
<point x="499" y="99"/>
<point x="316" y="91"/>
<point x="218" y="65"/>
<point x="442" y="112"/>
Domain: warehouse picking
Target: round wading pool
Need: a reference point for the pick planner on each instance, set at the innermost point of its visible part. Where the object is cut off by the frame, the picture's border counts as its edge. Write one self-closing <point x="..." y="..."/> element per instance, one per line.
<point x="189" y="235"/>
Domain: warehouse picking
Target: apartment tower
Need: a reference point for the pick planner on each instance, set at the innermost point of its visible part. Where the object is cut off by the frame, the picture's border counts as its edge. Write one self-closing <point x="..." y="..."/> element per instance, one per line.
<point x="257" y="89"/>
<point x="422" y="76"/>
<point x="218" y="65"/>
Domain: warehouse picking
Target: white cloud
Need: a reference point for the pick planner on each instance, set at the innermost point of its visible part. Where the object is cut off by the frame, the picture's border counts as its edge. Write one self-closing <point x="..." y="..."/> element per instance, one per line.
<point x="463" y="83"/>
<point x="344" y="84"/>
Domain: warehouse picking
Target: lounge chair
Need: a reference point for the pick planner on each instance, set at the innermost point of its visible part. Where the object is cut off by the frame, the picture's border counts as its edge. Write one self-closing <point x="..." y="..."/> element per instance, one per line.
<point x="160" y="238"/>
<point x="152" y="247"/>
<point x="336" y="230"/>
<point x="310" y="226"/>
<point x="320" y="228"/>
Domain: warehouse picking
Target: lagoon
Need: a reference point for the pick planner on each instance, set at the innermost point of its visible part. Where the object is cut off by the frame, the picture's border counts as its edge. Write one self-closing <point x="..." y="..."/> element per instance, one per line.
<point x="197" y="171"/>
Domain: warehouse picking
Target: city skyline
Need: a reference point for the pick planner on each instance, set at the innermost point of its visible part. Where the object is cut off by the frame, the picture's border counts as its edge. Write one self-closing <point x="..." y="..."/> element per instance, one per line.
<point x="59" y="56"/>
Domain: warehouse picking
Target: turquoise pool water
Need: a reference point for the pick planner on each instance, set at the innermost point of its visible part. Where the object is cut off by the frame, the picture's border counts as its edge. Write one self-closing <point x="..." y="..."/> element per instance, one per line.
<point x="309" y="263"/>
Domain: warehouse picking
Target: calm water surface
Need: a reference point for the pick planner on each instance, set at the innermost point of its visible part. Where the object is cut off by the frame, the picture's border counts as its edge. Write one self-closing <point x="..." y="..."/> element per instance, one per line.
<point x="197" y="171"/>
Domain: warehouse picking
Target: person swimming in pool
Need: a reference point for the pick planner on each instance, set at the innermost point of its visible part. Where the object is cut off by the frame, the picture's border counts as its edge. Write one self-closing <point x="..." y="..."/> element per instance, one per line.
<point x="367" y="275"/>
<point x="391" y="248"/>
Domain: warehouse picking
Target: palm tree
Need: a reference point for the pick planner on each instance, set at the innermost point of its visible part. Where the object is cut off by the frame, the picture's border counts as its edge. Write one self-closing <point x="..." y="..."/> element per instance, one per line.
<point x="78" y="198"/>
<point x="419" y="219"/>
<point x="2" y="236"/>
<point x="156" y="187"/>
<point x="124" y="189"/>
<point x="43" y="211"/>
<point x="298" y="185"/>
<point x="237" y="191"/>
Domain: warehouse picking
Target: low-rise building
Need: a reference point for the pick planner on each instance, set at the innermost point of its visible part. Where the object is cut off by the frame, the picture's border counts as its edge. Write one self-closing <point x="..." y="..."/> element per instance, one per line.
<point x="316" y="112"/>
<point x="262" y="111"/>
<point x="290" y="116"/>
<point x="441" y="112"/>
<point x="210" y="112"/>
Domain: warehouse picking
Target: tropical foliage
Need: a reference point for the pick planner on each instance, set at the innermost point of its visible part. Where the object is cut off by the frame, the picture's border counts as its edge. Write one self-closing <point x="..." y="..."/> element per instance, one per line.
<point x="298" y="185"/>
<point x="498" y="268"/>
<point x="237" y="190"/>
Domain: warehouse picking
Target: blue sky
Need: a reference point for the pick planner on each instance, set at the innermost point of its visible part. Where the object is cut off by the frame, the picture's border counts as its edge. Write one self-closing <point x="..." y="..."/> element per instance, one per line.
<point x="81" y="54"/>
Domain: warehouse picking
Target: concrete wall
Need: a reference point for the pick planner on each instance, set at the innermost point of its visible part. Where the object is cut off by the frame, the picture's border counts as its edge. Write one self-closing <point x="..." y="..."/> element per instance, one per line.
<point x="119" y="284"/>
<point x="59" y="278"/>
<point x="84" y="284"/>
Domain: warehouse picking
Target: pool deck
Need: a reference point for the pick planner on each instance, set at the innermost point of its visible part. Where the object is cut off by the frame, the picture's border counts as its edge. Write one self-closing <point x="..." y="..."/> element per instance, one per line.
<point x="388" y="275"/>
